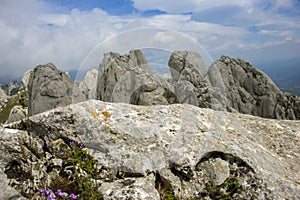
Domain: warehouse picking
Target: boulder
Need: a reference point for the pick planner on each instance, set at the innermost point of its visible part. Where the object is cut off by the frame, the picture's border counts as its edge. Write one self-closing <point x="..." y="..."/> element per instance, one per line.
<point x="158" y="151"/>
<point x="86" y="89"/>
<point x="128" y="79"/>
<point x="16" y="113"/>
<point x="48" y="88"/>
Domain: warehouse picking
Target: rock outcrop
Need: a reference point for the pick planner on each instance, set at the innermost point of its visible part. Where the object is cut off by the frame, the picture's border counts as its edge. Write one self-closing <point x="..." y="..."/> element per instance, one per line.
<point x="48" y="88"/>
<point x="128" y="79"/>
<point x="3" y="99"/>
<point x="25" y="78"/>
<point x="16" y="113"/>
<point x="230" y="84"/>
<point x="245" y="89"/>
<point x="149" y="152"/>
<point x="86" y="88"/>
<point x="190" y="79"/>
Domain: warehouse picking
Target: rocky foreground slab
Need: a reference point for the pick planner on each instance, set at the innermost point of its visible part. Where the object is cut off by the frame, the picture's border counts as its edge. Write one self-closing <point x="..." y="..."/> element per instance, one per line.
<point x="146" y="152"/>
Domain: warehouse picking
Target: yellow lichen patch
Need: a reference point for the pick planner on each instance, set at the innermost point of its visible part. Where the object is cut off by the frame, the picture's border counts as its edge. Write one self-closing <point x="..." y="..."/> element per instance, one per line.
<point x="106" y="113"/>
<point x="105" y="119"/>
<point x="94" y="114"/>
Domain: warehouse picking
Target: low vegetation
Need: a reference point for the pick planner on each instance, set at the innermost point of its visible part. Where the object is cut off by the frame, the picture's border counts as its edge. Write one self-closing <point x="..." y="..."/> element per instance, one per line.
<point x="82" y="183"/>
<point x="20" y="99"/>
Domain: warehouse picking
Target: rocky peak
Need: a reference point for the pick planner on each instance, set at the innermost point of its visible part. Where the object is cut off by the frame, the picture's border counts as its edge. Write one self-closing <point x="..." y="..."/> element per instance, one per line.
<point x="248" y="90"/>
<point x="86" y="88"/>
<point x="128" y="79"/>
<point x="48" y="88"/>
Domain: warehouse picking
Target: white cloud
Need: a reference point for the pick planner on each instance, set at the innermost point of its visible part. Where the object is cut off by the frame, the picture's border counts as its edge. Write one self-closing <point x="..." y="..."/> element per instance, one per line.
<point x="38" y="35"/>
<point x="30" y="42"/>
<point x="167" y="5"/>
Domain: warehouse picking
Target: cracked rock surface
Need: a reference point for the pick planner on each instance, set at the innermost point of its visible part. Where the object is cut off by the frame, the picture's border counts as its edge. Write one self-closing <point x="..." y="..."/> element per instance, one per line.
<point x="146" y="152"/>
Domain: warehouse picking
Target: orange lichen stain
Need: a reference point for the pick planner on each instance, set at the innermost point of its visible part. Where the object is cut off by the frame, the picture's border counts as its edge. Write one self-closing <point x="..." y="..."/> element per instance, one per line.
<point x="106" y="113"/>
<point x="94" y="114"/>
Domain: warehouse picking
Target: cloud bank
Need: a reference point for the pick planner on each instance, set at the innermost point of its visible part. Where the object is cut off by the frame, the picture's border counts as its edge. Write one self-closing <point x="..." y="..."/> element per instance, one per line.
<point x="33" y="32"/>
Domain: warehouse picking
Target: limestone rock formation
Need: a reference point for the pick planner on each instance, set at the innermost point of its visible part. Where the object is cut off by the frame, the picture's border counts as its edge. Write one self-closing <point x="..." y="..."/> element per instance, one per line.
<point x="25" y="78"/>
<point x="48" y="88"/>
<point x="86" y="88"/>
<point x="128" y="79"/>
<point x="245" y="89"/>
<point x="17" y="113"/>
<point x="147" y="152"/>
<point x="189" y="78"/>
<point x="3" y="99"/>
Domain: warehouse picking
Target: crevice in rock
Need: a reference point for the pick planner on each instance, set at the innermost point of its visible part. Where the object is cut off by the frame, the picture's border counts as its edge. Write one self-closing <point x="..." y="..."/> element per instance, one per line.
<point x="163" y="189"/>
<point x="14" y="170"/>
<point x="227" y="157"/>
<point x="183" y="173"/>
<point x="122" y="175"/>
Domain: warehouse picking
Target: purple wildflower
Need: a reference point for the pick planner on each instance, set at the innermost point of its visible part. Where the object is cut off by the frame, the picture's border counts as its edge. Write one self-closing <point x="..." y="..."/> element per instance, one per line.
<point x="48" y="191"/>
<point x="59" y="192"/>
<point x="81" y="146"/>
<point x="73" y="196"/>
<point x="84" y="158"/>
<point x="69" y="158"/>
<point x="60" y="153"/>
<point x="51" y="197"/>
<point x="42" y="192"/>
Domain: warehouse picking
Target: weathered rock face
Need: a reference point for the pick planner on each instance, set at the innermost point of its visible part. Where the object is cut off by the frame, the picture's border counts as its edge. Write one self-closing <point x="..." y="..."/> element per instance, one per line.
<point x="3" y="99"/>
<point x="189" y="78"/>
<point x="17" y="113"/>
<point x="25" y="78"/>
<point x="128" y="79"/>
<point x="86" y="89"/>
<point x="245" y="89"/>
<point x="48" y="88"/>
<point x="147" y="152"/>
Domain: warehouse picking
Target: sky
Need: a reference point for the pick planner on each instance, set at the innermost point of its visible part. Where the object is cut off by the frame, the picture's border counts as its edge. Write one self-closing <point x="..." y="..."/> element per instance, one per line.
<point x="74" y="34"/>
